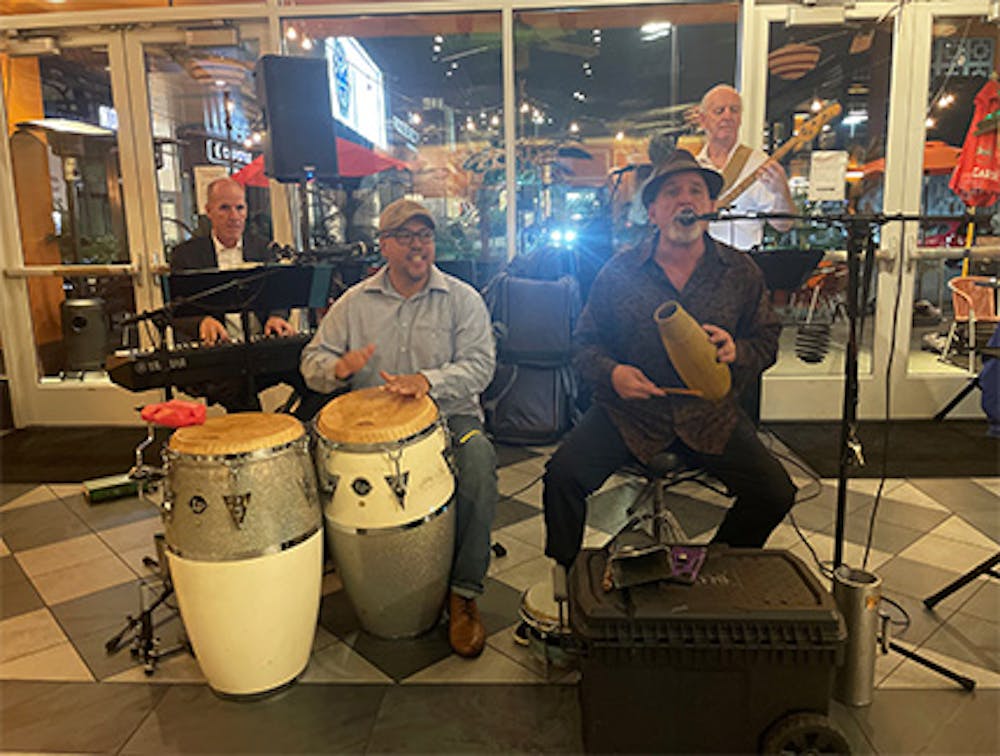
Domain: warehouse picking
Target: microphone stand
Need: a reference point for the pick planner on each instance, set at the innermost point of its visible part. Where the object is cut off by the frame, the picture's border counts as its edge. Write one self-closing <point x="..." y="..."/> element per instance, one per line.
<point x="859" y="230"/>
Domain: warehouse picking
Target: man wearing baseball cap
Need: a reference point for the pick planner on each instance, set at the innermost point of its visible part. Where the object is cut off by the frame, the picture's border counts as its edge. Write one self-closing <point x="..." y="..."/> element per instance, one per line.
<point x="418" y="332"/>
<point x="638" y="411"/>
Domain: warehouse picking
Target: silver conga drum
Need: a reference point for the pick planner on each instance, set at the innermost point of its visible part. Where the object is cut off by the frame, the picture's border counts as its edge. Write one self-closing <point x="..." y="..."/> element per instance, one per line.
<point x="386" y="488"/>
<point x="244" y="538"/>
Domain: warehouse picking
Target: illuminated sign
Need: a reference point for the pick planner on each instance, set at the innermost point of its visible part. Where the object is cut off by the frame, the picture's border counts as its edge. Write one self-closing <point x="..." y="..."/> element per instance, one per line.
<point x="218" y="152"/>
<point x="357" y="89"/>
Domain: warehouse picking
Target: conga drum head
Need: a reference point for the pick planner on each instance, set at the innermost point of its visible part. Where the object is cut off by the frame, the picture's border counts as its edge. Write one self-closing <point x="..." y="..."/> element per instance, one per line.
<point x="373" y="416"/>
<point x="238" y="433"/>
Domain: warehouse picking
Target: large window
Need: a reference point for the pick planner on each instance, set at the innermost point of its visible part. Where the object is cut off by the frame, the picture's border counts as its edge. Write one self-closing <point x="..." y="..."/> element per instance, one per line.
<point x="417" y="106"/>
<point x="602" y="95"/>
<point x="811" y="71"/>
<point x="963" y="68"/>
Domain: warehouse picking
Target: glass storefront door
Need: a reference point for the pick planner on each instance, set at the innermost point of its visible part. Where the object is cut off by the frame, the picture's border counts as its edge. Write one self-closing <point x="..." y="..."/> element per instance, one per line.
<point x="103" y="182"/>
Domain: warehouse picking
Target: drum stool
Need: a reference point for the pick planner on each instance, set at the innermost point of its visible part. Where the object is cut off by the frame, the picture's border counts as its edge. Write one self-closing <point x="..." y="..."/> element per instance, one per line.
<point x="664" y="471"/>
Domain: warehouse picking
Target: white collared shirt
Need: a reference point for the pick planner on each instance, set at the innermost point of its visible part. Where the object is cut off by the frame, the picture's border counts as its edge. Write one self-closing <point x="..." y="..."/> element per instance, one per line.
<point x="744" y="234"/>
<point x="231" y="258"/>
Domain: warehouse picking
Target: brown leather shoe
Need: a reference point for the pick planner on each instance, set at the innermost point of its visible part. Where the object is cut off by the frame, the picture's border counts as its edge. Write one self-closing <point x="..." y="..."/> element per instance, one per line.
<point x="466" y="633"/>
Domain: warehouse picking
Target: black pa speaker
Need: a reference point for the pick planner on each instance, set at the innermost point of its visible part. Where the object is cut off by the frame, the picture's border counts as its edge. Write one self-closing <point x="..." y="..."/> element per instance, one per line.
<point x="300" y="141"/>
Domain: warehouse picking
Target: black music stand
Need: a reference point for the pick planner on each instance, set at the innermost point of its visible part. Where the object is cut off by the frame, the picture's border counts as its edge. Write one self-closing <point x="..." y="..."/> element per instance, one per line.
<point x="786" y="269"/>
<point x="266" y="288"/>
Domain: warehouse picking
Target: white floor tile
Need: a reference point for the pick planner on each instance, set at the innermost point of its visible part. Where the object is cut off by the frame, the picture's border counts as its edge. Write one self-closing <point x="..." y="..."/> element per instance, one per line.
<point x="526" y="574"/>
<point x="518" y="552"/>
<point x="338" y="662"/>
<point x="62" y="555"/>
<point x="957" y="529"/>
<point x="912" y="674"/>
<point x="59" y="662"/>
<point x="133" y="536"/>
<point x="530" y="530"/>
<point x="29" y="498"/>
<point x="82" y="579"/>
<point x="29" y="633"/>
<point x="946" y="553"/>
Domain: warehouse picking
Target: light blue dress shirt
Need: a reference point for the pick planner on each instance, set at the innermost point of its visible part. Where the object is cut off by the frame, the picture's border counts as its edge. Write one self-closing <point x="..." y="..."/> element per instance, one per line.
<point x="443" y="332"/>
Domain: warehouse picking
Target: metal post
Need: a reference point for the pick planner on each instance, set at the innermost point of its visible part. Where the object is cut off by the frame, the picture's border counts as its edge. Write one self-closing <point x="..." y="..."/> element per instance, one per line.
<point x="857" y="594"/>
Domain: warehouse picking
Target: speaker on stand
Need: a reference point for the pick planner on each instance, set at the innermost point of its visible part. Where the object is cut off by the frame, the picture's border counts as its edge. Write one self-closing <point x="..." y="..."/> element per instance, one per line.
<point x="300" y="142"/>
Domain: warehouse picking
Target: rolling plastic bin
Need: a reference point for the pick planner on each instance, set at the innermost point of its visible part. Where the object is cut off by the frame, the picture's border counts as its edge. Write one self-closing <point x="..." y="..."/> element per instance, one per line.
<point x="741" y="661"/>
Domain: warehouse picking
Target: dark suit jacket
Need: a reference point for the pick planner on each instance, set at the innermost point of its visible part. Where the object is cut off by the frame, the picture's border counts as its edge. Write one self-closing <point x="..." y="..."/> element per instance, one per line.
<point x="199" y="254"/>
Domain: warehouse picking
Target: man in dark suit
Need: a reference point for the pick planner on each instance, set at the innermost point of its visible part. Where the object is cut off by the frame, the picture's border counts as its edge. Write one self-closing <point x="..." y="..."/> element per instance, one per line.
<point x="226" y="248"/>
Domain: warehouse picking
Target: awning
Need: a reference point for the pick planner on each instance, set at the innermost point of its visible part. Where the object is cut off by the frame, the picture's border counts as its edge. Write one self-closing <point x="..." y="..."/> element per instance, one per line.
<point x="353" y="161"/>
<point x="938" y="158"/>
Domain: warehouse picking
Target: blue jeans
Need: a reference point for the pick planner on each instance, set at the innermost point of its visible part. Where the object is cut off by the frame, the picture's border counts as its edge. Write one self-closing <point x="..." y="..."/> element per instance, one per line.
<point x="475" y="501"/>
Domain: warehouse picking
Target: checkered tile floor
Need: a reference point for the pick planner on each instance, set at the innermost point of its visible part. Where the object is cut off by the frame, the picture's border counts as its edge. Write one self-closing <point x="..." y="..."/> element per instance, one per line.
<point x="70" y="573"/>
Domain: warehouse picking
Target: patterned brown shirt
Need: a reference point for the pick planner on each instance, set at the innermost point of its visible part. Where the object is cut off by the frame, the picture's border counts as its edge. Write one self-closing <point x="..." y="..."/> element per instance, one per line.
<point x="616" y="327"/>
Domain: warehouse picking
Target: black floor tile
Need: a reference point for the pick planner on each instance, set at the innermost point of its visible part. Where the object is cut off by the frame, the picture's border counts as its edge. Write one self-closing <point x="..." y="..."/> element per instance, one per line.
<point x="10" y="491"/>
<point x="607" y="510"/>
<point x="843" y="718"/>
<point x="972" y="502"/>
<point x="478" y="719"/>
<point x="73" y="717"/>
<point x="970" y="639"/>
<point x="511" y="511"/>
<point x="888" y="536"/>
<point x="694" y="515"/>
<point x="396" y="658"/>
<point x="982" y="599"/>
<point x="39" y="525"/>
<point x="90" y="621"/>
<point x="111" y="514"/>
<point x="399" y="659"/>
<point x="920" y="622"/>
<point x="17" y="594"/>
<point x="300" y="719"/>
<point x="510" y="455"/>
<point x="919" y="580"/>
<point x="931" y="721"/>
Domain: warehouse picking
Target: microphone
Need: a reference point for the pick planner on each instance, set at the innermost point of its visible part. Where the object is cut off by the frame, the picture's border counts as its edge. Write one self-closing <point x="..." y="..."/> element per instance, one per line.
<point x="624" y="169"/>
<point x="687" y="217"/>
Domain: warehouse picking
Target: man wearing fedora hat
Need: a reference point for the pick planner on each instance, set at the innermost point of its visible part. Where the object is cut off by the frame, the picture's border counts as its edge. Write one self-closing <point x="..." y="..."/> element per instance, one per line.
<point x="635" y="414"/>
<point x="420" y="332"/>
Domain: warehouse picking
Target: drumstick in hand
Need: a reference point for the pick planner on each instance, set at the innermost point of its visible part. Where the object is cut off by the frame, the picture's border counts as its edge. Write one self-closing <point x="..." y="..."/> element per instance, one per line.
<point x="681" y="391"/>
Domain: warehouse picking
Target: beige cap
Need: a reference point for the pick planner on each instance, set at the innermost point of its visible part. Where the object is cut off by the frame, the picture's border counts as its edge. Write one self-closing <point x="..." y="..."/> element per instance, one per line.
<point x="399" y="212"/>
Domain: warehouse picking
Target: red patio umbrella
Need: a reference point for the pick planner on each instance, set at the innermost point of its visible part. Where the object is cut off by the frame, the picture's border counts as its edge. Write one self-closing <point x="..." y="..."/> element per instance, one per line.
<point x="977" y="176"/>
<point x="353" y="160"/>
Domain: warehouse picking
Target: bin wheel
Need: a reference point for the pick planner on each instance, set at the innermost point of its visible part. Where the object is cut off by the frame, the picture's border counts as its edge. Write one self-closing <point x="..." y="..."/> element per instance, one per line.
<point x="804" y="733"/>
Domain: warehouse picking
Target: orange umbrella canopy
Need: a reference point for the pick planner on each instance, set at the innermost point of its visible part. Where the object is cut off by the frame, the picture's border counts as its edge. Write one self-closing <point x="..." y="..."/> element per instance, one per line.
<point x="938" y="158"/>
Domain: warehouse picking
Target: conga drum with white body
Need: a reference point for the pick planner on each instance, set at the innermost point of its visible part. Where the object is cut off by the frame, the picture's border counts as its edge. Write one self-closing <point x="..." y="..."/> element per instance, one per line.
<point x="387" y="487"/>
<point x="244" y="538"/>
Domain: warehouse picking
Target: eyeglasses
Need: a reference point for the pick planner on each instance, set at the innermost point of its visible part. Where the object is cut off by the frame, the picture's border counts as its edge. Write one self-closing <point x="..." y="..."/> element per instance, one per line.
<point x="407" y="237"/>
